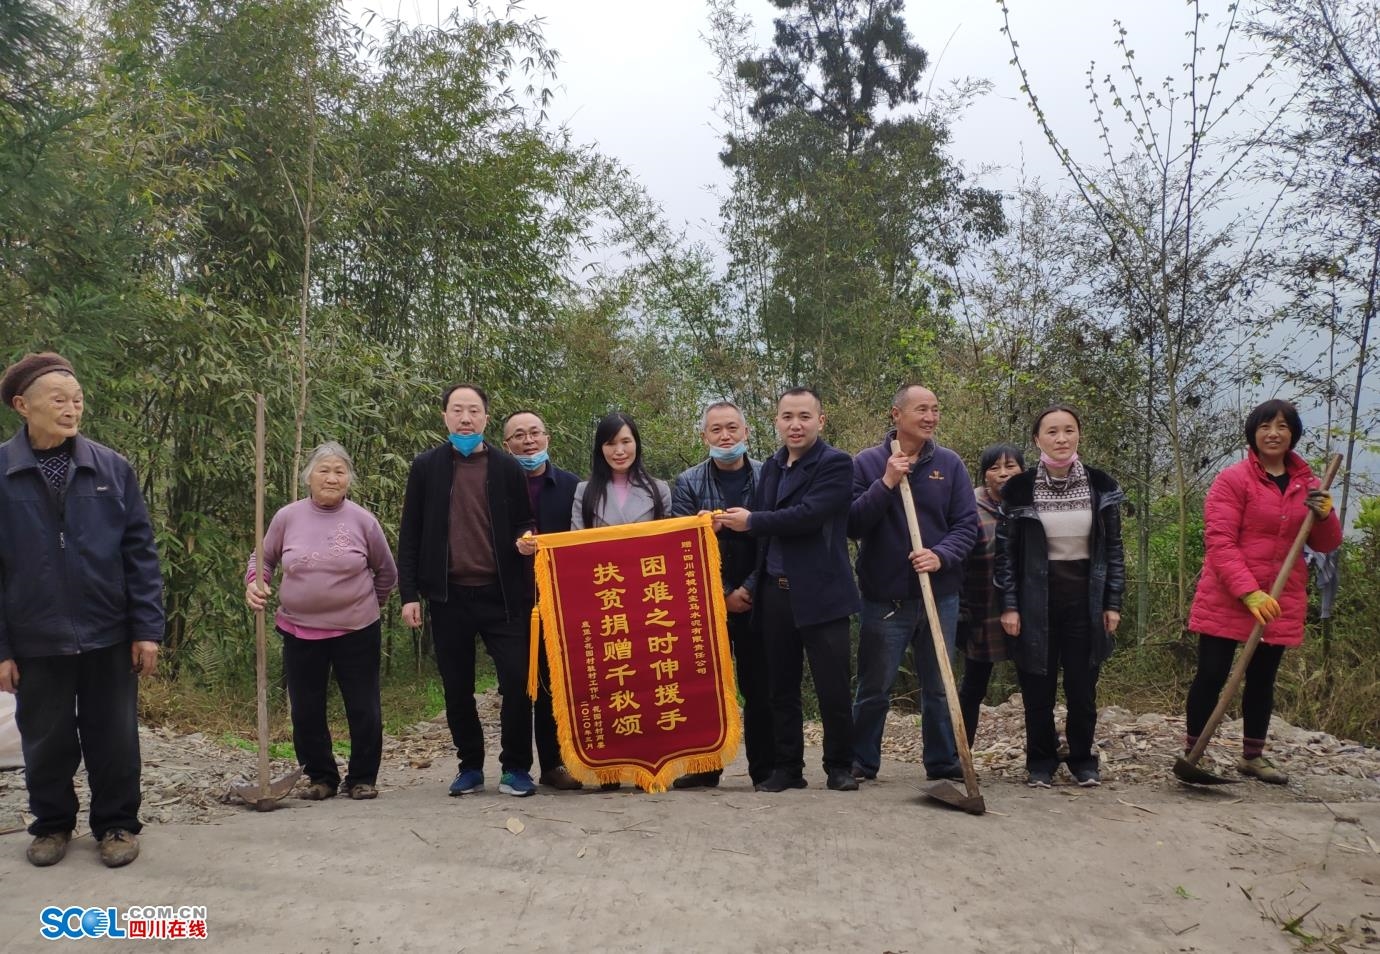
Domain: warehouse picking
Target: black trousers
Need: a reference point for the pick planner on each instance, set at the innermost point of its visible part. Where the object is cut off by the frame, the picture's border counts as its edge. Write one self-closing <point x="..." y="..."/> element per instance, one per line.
<point x="750" y="657"/>
<point x="1215" y="656"/>
<point x="472" y="612"/>
<point x="71" y="708"/>
<point x="826" y="646"/>
<point x="977" y="675"/>
<point x="543" y="719"/>
<point x="1070" y="648"/>
<point x="307" y="667"/>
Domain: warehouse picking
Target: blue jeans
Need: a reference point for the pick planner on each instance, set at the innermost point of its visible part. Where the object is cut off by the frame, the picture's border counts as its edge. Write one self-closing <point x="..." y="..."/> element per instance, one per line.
<point x="888" y="628"/>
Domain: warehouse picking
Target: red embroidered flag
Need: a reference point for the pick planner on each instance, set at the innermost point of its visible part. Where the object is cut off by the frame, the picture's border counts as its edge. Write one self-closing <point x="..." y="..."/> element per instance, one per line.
<point x="641" y="676"/>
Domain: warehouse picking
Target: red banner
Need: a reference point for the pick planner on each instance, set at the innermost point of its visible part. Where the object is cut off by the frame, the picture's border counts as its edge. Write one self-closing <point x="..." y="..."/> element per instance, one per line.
<point x="642" y="679"/>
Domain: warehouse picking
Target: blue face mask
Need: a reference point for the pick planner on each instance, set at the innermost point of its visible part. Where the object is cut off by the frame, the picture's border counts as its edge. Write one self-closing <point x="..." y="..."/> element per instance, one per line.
<point x="729" y="454"/>
<point x="534" y="462"/>
<point x="466" y="443"/>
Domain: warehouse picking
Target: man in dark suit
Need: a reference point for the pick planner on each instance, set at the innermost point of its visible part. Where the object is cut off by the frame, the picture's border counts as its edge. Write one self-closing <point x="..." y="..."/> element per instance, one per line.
<point x="804" y="589"/>
<point x="552" y="493"/>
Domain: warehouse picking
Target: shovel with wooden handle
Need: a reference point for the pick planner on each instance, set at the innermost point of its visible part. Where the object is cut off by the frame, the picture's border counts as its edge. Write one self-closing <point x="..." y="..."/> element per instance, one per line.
<point x="265" y="795"/>
<point x="971" y="801"/>
<point x="1186" y="767"/>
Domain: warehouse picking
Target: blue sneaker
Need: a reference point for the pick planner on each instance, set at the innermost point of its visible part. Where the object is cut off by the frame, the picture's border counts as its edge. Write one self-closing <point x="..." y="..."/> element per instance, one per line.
<point x="518" y="784"/>
<point x="468" y="782"/>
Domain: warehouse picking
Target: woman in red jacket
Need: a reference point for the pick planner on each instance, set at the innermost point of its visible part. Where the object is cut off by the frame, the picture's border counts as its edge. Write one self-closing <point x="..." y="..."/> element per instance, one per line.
<point x="1252" y="513"/>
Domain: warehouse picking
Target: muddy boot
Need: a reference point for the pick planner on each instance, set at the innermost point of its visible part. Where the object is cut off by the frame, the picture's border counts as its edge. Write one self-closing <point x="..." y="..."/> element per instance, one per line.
<point x="119" y="848"/>
<point x="48" y="849"/>
<point x="318" y="791"/>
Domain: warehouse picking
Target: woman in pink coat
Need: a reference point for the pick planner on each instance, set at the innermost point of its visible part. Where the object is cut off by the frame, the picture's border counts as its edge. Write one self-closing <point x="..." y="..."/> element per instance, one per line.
<point x="1253" y="512"/>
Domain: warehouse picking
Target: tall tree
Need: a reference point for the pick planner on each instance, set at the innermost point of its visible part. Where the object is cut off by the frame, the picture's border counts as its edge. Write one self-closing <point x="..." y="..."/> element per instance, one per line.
<point x="845" y="208"/>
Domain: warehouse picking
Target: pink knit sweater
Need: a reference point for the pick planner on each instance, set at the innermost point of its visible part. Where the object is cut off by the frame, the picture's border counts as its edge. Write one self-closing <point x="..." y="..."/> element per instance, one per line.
<point x="337" y="568"/>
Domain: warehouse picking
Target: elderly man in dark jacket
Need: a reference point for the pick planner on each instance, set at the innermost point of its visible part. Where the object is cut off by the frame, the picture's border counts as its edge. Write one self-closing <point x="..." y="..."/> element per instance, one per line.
<point x="728" y="478"/>
<point x="893" y="615"/>
<point x="805" y="592"/>
<point x="82" y="612"/>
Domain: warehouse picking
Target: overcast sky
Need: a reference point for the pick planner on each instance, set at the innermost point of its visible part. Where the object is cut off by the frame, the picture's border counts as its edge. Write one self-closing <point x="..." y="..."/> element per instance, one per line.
<point x="636" y="78"/>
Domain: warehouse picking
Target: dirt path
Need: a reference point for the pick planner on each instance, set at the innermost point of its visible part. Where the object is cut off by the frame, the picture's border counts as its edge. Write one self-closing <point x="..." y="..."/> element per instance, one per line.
<point x="1125" y="868"/>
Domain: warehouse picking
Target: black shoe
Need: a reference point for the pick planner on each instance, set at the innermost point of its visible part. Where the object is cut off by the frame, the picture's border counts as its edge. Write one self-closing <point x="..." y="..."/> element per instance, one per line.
<point x="610" y="786"/>
<point x="841" y="781"/>
<point x="954" y="774"/>
<point x="779" y="781"/>
<point x="697" y="780"/>
<point x="862" y="774"/>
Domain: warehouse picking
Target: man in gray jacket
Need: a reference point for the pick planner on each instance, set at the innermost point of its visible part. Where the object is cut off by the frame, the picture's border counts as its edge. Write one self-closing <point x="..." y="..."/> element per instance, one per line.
<point x="727" y="478"/>
<point x="82" y="614"/>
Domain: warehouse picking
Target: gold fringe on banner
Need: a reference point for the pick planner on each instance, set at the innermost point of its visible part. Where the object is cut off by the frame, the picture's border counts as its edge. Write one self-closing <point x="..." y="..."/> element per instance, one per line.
<point x="534" y="634"/>
<point x="549" y="628"/>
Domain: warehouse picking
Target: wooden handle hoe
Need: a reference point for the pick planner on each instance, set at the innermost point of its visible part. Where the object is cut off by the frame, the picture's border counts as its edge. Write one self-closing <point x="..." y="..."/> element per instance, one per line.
<point x="1186" y="768"/>
<point x="265" y="795"/>
<point x="970" y="802"/>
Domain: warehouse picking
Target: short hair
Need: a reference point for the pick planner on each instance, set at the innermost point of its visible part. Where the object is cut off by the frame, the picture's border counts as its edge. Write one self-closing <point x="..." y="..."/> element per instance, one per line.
<point x="483" y="397"/>
<point x="717" y="405"/>
<point x="995" y="452"/>
<point x="901" y="392"/>
<point x="800" y="391"/>
<point x="513" y="414"/>
<point x="1264" y="413"/>
<point x="1054" y="409"/>
<point x="323" y="451"/>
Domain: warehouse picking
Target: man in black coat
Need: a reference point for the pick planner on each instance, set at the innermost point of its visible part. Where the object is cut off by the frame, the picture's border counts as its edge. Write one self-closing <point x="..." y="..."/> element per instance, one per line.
<point x="804" y="591"/>
<point x="464" y="509"/>
<point x="82" y="612"/>
<point x="552" y="494"/>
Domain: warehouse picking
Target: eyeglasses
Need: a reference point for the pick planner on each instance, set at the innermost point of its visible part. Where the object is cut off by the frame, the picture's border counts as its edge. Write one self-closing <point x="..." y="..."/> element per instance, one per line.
<point x="533" y="434"/>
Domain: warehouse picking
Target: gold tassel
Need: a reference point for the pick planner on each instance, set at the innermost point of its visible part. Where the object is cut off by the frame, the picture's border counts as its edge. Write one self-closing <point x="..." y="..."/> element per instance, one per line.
<point x="534" y="636"/>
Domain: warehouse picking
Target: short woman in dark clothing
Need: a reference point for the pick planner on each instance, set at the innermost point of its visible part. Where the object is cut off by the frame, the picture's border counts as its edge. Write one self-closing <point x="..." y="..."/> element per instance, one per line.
<point x="1060" y="570"/>
<point x="979" y="618"/>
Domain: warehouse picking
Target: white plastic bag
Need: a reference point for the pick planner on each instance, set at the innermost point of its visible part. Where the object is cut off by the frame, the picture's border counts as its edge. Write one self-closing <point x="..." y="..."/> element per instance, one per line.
<point x="10" y="754"/>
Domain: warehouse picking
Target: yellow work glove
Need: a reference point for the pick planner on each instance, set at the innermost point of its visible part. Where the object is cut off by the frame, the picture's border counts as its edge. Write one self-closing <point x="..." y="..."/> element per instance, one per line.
<point x="1320" y="502"/>
<point x="1262" y="605"/>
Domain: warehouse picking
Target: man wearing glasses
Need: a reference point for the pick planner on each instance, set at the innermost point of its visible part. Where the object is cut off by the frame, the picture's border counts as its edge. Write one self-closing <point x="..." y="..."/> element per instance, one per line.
<point x="552" y="492"/>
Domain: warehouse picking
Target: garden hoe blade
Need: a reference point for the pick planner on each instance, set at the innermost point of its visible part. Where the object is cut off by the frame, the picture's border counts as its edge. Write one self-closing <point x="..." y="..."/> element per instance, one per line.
<point x="952" y="795"/>
<point x="1186" y="771"/>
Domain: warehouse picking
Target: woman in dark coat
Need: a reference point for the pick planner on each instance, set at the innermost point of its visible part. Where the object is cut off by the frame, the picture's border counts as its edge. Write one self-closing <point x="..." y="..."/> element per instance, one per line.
<point x="1061" y="572"/>
<point x="979" y="620"/>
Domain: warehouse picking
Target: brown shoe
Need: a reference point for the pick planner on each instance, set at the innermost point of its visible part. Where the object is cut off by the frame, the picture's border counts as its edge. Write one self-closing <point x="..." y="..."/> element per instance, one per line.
<point x="317" y="791"/>
<point x="1262" y="768"/>
<point x="560" y="778"/>
<point x="48" y="849"/>
<point x="362" y="791"/>
<point x="118" y="848"/>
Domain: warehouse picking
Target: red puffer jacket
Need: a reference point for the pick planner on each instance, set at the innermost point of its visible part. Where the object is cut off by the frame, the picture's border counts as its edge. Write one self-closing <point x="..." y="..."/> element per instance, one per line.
<point x="1248" y="529"/>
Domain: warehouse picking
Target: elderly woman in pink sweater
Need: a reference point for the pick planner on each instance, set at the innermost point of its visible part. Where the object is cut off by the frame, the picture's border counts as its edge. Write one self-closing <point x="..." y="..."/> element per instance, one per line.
<point x="337" y="574"/>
